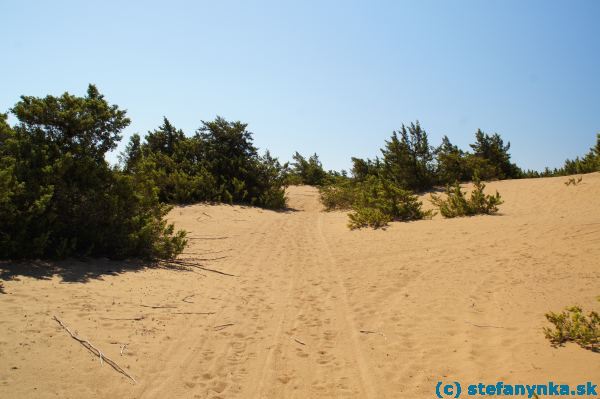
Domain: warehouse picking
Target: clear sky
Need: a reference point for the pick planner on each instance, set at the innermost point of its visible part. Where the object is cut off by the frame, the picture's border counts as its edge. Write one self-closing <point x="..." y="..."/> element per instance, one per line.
<point x="334" y="78"/>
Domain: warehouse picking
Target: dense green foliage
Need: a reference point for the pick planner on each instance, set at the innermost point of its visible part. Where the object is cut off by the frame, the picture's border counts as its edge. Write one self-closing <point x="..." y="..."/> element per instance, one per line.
<point x="494" y="154"/>
<point x="408" y="158"/>
<point x="453" y="164"/>
<point x="58" y="195"/>
<point x="340" y="195"/>
<point x="219" y="163"/>
<point x="374" y="201"/>
<point x="412" y="163"/>
<point x="490" y="160"/>
<point x="380" y="190"/>
<point x="379" y="201"/>
<point x="572" y="325"/>
<point x="456" y="204"/>
<point x="587" y="164"/>
<point x="307" y="171"/>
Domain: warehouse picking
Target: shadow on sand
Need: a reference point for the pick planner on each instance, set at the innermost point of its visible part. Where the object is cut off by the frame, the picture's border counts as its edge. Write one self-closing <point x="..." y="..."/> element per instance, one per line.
<point x="69" y="271"/>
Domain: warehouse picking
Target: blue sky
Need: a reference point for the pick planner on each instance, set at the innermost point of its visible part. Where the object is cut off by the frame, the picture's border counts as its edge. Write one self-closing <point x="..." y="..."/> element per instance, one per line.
<point x="334" y="78"/>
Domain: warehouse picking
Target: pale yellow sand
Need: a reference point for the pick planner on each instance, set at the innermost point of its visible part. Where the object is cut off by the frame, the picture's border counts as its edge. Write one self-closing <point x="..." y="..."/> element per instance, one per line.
<point x="460" y="299"/>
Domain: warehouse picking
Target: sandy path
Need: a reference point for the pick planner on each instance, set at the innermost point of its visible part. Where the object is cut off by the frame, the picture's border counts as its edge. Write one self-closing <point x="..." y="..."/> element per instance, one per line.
<point x="291" y="334"/>
<point x="316" y="310"/>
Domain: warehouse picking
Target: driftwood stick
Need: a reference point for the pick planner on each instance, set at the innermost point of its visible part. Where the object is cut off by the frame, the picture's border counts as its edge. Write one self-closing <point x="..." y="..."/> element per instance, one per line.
<point x="207" y="238"/>
<point x="193" y="313"/>
<point x="138" y="318"/>
<point x="159" y="307"/>
<point x="373" y="332"/>
<point x="482" y="326"/>
<point x="88" y="345"/>
<point x="197" y="266"/>
<point x="216" y="258"/>
<point x="222" y="326"/>
<point x="205" y="252"/>
<point x="214" y="271"/>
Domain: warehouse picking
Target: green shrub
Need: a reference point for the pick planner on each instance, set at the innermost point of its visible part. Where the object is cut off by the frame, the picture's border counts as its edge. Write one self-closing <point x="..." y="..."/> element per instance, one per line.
<point x="338" y="196"/>
<point x="306" y="171"/>
<point x="368" y="217"/>
<point x="408" y="158"/>
<point x="494" y="153"/>
<point x="219" y="163"/>
<point x="58" y="195"/>
<point x="457" y="204"/>
<point x="572" y="325"/>
<point x="589" y="163"/>
<point x="379" y="201"/>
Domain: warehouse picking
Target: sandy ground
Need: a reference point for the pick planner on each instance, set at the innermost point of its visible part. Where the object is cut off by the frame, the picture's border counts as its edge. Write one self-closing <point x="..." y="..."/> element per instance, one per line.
<point x="316" y="310"/>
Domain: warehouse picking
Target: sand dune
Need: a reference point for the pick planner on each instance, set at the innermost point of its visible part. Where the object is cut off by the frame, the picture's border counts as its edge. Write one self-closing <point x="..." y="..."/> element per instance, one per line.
<point x="316" y="310"/>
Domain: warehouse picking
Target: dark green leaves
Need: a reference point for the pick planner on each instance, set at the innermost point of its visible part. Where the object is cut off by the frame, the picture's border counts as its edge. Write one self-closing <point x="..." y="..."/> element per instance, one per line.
<point x="219" y="163"/>
<point x="59" y="197"/>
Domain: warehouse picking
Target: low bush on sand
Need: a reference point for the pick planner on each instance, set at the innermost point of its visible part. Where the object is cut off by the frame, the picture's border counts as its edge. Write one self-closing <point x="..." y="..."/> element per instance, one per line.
<point x="379" y="201"/>
<point x="572" y="325"/>
<point x="339" y="196"/>
<point x="573" y="181"/>
<point x="218" y="164"/>
<point x="457" y="204"/>
<point x="59" y="197"/>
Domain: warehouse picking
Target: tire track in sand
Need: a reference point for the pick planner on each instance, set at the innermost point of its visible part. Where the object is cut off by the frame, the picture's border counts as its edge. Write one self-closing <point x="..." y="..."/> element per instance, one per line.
<point x="316" y="351"/>
<point x="288" y="294"/>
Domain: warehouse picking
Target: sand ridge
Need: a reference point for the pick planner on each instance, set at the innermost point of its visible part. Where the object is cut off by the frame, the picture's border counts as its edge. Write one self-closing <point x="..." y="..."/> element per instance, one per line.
<point x="317" y="310"/>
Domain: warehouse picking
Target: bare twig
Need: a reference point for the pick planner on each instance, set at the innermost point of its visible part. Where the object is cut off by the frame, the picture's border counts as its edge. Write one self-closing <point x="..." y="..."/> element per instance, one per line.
<point x="300" y="342"/>
<point x="88" y="345"/>
<point x="373" y="332"/>
<point x="138" y="318"/>
<point x="482" y="326"/>
<point x="188" y="297"/>
<point x="193" y="313"/>
<point x="214" y="271"/>
<point x="197" y="266"/>
<point x="206" y="252"/>
<point x="216" y="258"/>
<point x="222" y="326"/>
<point x="207" y="238"/>
<point x="159" y="307"/>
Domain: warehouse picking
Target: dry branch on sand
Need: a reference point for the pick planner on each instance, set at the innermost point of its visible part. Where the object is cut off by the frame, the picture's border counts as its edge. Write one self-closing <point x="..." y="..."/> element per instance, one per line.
<point x="373" y="332"/>
<point x="88" y="345"/>
<point x="159" y="306"/>
<point x="206" y="252"/>
<point x="222" y="326"/>
<point x="181" y="263"/>
<point x="137" y="318"/>
<point x="204" y="259"/>
<point x="482" y="326"/>
<point x="208" y="313"/>
<point x="207" y="238"/>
